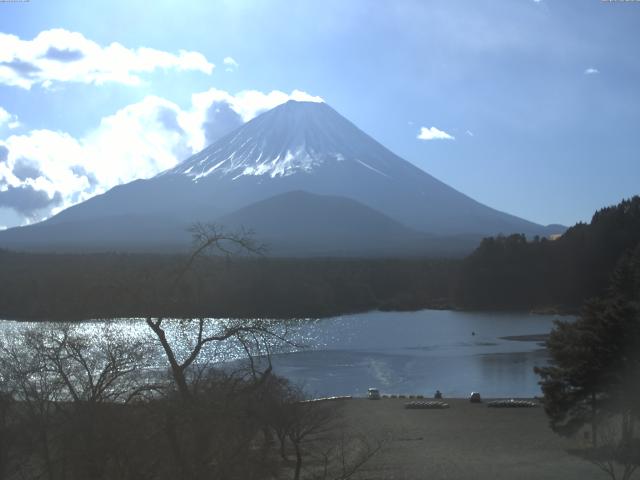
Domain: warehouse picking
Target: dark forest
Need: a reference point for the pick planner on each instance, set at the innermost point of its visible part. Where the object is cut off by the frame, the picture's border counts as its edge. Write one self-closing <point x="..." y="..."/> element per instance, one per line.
<point x="503" y="273"/>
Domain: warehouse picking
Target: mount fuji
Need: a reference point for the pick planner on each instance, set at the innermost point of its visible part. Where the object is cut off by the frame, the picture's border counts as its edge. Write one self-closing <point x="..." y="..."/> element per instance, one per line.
<point x="304" y="178"/>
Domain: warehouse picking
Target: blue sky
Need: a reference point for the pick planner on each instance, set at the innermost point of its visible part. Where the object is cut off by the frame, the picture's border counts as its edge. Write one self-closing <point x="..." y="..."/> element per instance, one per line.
<point x="531" y="107"/>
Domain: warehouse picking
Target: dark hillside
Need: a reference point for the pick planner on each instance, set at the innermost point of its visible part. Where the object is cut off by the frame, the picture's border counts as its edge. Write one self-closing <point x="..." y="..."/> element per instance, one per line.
<point x="513" y="273"/>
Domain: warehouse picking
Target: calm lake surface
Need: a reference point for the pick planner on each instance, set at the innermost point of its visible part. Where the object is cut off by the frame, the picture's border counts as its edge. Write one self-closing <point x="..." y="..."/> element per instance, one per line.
<point x="406" y="352"/>
<point x="419" y="352"/>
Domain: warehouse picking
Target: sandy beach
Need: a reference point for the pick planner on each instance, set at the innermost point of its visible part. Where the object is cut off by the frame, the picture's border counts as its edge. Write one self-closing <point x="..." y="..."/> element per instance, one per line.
<point x="466" y="441"/>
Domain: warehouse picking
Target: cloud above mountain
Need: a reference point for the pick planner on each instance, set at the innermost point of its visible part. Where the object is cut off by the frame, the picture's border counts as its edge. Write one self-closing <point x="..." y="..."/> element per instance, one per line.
<point x="250" y="103"/>
<point x="44" y="171"/>
<point x="220" y="120"/>
<point x="434" y="133"/>
<point x="59" y="55"/>
<point x="27" y="200"/>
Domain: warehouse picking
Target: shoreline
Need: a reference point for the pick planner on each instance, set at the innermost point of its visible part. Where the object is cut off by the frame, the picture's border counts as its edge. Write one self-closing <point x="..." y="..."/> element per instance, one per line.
<point x="451" y="308"/>
<point x="535" y="337"/>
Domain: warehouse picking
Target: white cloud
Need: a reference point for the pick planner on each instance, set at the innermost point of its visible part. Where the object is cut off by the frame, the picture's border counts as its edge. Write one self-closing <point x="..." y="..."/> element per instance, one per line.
<point x="230" y="61"/>
<point x="434" y="134"/>
<point x="247" y="104"/>
<point x="138" y="141"/>
<point x="470" y="133"/>
<point x="591" y="71"/>
<point x="59" y="55"/>
<point x="8" y="119"/>
<point x="231" y="64"/>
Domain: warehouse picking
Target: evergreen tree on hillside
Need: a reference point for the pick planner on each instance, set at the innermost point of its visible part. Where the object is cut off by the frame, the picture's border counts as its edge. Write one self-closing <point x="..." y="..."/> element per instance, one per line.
<point x="513" y="273"/>
<point x="594" y="375"/>
<point x="593" y="368"/>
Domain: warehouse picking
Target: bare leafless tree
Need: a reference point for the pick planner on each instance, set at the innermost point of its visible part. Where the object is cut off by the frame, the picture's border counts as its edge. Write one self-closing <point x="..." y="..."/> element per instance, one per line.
<point x="346" y="456"/>
<point x="207" y="239"/>
<point x="23" y="367"/>
<point x="65" y="382"/>
<point x="315" y="431"/>
<point x="213" y="417"/>
<point x="93" y="368"/>
<point x="191" y="345"/>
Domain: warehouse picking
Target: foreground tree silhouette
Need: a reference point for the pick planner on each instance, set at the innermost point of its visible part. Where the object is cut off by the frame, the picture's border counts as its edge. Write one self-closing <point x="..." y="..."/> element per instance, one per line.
<point x="270" y="403"/>
<point x="188" y="429"/>
<point x="62" y="390"/>
<point x="594" y="374"/>
<point x="207" y="238"/>
<point x="78" y="403"/>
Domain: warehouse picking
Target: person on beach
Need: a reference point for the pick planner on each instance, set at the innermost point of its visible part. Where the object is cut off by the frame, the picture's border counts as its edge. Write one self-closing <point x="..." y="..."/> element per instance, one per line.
<point x="438" y="395"/>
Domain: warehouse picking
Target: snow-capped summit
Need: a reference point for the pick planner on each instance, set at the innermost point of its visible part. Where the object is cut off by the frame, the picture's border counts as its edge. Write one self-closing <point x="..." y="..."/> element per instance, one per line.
<point x="295" y="137"/>
<point x="303" y="177"/>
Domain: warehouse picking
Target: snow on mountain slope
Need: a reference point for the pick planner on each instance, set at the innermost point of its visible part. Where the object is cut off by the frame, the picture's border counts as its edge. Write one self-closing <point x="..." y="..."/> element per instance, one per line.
<point x="295" y="147"/>
<point x="309" y="146"/>
<point x="297" y="137"/>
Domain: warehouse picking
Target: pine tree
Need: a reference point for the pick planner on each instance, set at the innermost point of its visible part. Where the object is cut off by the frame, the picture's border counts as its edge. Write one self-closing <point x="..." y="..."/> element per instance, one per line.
<point x="594" y="374"/>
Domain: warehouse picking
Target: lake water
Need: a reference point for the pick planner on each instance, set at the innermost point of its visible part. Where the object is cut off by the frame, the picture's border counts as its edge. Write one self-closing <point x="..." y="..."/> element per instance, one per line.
<point x="419" y="352"/>
<point x="407" y="353"/>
